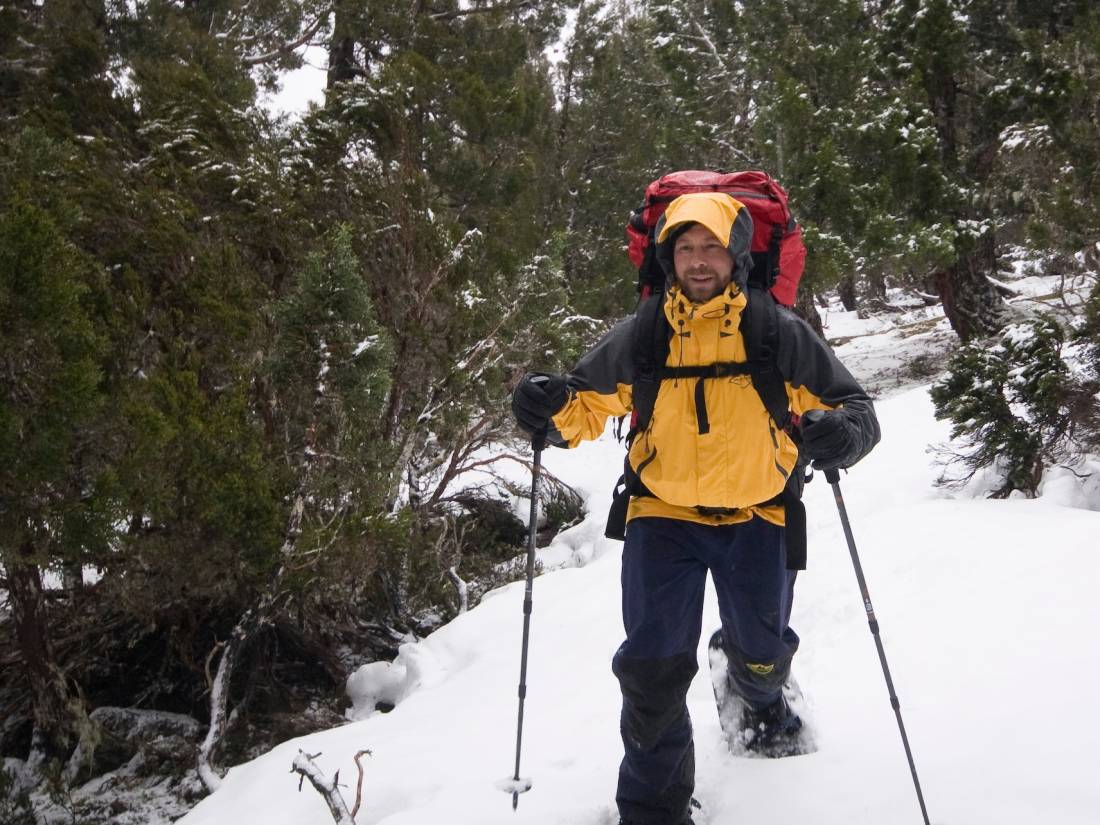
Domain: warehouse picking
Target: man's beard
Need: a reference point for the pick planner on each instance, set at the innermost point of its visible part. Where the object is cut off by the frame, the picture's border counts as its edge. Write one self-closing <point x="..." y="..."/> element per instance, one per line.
<point x="701" y="292"/>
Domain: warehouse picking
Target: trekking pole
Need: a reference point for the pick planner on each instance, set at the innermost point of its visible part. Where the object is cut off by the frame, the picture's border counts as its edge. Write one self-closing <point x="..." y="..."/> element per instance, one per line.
<point x="833" y="477"/>
<point x="516" y="785"/>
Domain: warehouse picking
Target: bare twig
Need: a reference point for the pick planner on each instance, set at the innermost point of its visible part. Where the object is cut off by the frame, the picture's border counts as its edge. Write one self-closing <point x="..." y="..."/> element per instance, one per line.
<point x="473" y="439"/>
<point x="359" y="784"/>
<point x="1081" y="476"/>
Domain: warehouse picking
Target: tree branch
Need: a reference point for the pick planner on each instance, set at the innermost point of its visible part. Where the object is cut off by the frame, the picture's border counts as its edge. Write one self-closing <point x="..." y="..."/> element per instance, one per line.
<point x="451" y="15"/>
<point x="467" y="240"/>
<point x="287" y="48"/>
<point x="709" y="44"/>
<point x="460" y="586"/>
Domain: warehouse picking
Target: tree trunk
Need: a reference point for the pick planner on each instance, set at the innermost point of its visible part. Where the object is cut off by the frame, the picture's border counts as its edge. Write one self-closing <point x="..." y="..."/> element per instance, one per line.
<point x="53" y="718"/>
<point x="971" y="303"/>
<point x="805" y="309"/>
<point x="341" y="50"/>
<point x="876" y="285"/>
<point x="847" y="290"/>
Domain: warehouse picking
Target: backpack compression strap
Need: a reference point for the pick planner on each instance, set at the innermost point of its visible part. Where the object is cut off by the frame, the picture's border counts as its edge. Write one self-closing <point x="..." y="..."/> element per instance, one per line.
<point x="760" y="329"/>
<point x="650" y="351"/>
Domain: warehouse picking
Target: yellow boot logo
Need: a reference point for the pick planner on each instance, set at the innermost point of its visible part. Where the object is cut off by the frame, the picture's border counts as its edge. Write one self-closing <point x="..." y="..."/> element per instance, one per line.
<point x="760" y="670"/>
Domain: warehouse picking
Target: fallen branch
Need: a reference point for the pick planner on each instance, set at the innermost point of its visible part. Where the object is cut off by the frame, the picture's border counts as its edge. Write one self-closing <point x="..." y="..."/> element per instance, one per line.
<point x="306" y="768"/>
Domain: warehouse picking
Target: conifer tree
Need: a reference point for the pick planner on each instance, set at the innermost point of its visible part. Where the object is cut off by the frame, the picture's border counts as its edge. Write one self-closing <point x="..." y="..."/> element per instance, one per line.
<point x="50" y="413"/>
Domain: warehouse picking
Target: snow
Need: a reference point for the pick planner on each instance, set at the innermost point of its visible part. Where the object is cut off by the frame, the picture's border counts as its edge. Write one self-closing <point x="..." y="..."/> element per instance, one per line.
<point x="1032" y="135"/>
<point x="366" y="344"/>
<point x="984" y="606"/>
<point x="387" y="682"/>
<point x="886" y="352"/>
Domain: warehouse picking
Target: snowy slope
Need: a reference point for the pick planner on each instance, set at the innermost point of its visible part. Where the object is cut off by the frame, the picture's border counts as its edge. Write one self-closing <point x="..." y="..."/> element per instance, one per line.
<point x="987" y="611"/>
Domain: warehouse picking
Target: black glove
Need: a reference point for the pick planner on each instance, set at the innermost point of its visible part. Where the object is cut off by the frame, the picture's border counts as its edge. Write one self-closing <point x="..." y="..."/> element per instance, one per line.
<point x="830" y="439"/>
<point x="536" y="399"/>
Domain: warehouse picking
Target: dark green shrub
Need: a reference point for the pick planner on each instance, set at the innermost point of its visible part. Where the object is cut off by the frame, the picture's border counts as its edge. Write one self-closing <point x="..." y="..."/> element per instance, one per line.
<point x="1016" y="406"/>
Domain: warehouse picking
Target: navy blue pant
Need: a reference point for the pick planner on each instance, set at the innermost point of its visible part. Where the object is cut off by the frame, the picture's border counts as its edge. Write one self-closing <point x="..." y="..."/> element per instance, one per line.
<point x="665" y="565"/>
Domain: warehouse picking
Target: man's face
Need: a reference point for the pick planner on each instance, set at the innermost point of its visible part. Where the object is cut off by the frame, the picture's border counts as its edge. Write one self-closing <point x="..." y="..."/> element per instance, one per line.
<point x="702" y="263"/>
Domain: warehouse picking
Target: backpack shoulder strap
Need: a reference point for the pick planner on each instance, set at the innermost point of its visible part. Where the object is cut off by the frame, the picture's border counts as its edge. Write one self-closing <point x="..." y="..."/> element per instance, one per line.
<point x="760" y="328"/>
<point x="650" y="351"/>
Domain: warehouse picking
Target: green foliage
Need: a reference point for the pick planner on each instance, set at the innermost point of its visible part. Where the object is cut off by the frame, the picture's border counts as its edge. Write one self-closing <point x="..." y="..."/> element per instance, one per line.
<point x="1017" y="405"/>
<point x="330" y="379"/>
<point x="50" y="352"/>
<point x="329" y="350"/>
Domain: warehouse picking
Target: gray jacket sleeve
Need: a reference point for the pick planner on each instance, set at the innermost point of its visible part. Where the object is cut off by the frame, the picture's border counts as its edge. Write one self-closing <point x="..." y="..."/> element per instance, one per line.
<point x="599" y="387"/>
<point x="608" y="364"/>
<point x="805" y="360"/>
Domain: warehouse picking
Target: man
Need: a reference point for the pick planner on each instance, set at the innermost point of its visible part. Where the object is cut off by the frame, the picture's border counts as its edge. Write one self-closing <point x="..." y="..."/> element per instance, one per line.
<point x="711" y="468"/>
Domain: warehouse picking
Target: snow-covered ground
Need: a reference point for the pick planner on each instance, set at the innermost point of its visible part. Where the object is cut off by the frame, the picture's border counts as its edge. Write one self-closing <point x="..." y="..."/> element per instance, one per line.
<point x="987" y="611"/>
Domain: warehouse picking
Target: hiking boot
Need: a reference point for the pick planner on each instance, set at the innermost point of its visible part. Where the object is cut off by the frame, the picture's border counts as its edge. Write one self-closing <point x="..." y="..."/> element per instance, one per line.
<point x="773" y="732"/>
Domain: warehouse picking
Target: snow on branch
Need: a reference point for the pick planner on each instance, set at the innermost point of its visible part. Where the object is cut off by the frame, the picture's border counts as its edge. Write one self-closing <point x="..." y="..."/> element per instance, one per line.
<point x="306" y="768"/>
<point x="461" y="587"/>
<point x="702" y="36"/>
<point x="457" y="254"/>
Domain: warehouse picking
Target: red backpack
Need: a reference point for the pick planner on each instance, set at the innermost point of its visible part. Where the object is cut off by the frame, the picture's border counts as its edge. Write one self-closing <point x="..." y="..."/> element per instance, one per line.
<point x="777" y="250"/>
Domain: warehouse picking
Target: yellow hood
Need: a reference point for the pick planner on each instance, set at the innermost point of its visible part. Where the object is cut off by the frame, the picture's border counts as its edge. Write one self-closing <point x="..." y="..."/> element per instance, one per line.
<point x="726" y="218"/>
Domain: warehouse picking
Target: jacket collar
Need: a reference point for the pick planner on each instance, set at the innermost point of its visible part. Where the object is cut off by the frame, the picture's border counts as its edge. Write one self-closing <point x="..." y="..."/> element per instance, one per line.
<point x="728" y="302"/>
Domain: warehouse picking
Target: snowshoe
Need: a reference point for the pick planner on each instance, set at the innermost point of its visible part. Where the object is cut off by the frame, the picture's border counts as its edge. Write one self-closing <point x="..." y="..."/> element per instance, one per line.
<point x="774" y="732"/>
<point x="694" y="805"/>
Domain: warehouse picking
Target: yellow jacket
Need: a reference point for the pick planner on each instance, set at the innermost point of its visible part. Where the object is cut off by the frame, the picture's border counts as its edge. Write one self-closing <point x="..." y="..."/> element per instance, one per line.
<point x="744" y="460"/>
